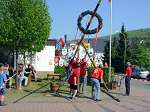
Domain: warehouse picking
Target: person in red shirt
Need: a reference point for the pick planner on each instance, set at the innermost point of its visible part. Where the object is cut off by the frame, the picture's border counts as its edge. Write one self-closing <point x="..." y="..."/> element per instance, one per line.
<point x="73" y="85"/>
<point x="95" y="79"/>
<point x="76" y="67"/>
<point x="101" y="72"/>
<point x="70" y="67"/>
<point x="76" y="70"/>
<point x="83" y="74"/>
<point x="128" y="73"/>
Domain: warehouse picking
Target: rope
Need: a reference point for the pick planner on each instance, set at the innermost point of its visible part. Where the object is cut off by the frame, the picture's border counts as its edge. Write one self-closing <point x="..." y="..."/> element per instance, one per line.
<point x="7" y="81"/>
<point x="96" y="37"/>
<point x="76" y="34"/>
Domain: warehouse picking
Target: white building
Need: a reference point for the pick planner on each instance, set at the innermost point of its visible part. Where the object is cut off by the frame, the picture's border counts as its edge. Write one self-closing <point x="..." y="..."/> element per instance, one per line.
<point x="44" y="60"/>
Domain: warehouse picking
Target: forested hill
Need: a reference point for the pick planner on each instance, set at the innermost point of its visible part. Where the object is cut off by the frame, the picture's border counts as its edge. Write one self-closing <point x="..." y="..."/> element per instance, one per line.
<point x="140" y="33"/>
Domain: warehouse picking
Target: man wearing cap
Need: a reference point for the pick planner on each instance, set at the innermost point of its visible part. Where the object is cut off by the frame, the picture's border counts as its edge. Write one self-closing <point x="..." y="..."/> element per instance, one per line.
<point x="128" y="73"/>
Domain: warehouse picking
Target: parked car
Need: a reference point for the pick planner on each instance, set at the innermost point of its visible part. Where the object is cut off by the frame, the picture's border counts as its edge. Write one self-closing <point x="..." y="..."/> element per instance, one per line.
<point x="140" y="73"/>
<point x="144" y="74"/>
<point x="148" y="77"/>
<point x="136" y="73"/>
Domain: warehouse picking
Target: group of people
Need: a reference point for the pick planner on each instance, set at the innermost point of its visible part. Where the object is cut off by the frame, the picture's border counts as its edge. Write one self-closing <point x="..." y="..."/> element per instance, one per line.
<point x="24" y="72"/>
<point x="78" y="78"/>
<point x="7" y="73"/>
<point x="75" y="78"/>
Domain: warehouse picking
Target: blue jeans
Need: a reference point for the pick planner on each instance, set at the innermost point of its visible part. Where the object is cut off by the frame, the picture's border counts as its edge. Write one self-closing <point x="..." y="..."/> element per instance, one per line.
<point x="96" y="91"/>
<point x="20" y="79"/>
<point x="83" y="82"/>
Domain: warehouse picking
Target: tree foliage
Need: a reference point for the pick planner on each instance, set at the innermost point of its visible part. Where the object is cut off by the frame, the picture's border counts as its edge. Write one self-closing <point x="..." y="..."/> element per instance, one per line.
<point x="119" y="54"/>
<point x="25" y="24"/>
<point x="106" y="52"/>
<point x="136" y="52"/>
<point x="140" y="56"/>
<point x="134" y="34"/>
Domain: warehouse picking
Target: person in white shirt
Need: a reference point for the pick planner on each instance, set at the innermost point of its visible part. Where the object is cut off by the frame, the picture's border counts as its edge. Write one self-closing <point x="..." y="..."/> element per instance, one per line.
<point x="21" y="76"/>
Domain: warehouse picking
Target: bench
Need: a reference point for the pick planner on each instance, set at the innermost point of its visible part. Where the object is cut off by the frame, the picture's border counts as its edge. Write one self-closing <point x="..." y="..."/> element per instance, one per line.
<point x="53" y="76"/>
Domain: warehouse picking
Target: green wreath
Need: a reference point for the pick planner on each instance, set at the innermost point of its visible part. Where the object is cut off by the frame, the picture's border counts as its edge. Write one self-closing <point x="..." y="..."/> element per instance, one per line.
<point x="93" y="31"/>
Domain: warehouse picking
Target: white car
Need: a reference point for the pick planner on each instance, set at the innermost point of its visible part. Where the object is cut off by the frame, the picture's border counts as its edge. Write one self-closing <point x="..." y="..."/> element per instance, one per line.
<point x="144" y="74"/>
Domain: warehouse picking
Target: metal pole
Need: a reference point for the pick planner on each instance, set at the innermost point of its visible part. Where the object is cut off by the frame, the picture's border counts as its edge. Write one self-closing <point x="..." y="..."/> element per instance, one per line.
<point x="14" y="56"/>
<point x="110" y="40"/>
<point x="125" y="50"/>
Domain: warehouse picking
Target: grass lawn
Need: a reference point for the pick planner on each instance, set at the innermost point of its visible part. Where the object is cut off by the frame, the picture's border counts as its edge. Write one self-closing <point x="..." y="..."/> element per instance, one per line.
<point x="40" y="92"/>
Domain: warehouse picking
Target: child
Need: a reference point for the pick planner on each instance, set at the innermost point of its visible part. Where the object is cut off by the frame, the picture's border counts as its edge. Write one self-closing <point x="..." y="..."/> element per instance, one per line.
<point x="73" y="85"/>
<point x="76" y="71"/>
<point x="3" y="80"/>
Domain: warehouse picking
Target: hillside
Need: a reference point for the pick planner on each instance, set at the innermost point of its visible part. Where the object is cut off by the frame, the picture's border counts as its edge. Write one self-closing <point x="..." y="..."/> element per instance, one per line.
<point x="140" y="33"/>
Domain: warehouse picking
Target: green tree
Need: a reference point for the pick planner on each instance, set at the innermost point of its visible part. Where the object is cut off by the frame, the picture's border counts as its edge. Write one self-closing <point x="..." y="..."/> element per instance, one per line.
<point x="25" y="24"/>
<point x="106" y="52"/>
<point x="113" y="50"/>
<point x="140" y="56"/>
<point x="120" y="51"/>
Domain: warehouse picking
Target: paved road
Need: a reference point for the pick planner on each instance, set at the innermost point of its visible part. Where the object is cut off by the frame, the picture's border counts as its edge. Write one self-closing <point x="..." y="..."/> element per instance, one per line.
<point x="138" y="101"/>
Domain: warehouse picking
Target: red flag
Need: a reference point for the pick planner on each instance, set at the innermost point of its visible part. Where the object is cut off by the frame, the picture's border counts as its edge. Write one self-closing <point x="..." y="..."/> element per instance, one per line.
<point x="96" y="38"/>
<point x="56" y="59"/>
<point x="61" y="41"/>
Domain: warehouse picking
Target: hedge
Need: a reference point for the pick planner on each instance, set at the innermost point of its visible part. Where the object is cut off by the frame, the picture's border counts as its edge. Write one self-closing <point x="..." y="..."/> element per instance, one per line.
<point x="61" y="70"/>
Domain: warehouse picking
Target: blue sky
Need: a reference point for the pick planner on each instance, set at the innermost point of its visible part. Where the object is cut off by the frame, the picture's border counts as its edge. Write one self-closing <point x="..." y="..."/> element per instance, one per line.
<point x="134" y="13"/>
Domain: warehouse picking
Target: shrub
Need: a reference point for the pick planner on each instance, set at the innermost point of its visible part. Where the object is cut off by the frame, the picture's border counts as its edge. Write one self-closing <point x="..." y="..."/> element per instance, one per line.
<point x="59" y="70"/>
<point x="106" y="74"/>
<point x="89" y="72"/>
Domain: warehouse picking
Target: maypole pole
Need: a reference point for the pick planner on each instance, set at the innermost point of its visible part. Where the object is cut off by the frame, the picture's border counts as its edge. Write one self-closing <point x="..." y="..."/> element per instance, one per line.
<point x="86" y="31"/>
<point x="110" y="40"/>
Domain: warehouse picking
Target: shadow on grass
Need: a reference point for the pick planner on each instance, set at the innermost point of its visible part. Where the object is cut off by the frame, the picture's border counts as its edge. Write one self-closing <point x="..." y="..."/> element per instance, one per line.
<point x="30" y="93"/>
<point x="63" y="93"/>
<point x="38" y="91"/>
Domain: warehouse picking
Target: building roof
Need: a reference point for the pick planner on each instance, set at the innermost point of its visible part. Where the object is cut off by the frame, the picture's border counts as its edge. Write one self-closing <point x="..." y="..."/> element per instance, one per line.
<point x="51" y="42"/>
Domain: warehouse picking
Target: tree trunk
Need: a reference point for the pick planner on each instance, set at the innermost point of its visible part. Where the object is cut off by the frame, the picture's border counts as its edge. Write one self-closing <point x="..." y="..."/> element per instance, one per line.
<point x="24" y="58"/>
<point x="16" y="67"/>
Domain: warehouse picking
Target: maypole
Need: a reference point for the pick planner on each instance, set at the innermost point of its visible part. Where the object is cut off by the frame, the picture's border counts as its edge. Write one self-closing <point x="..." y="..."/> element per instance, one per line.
<point x="86" y="31"/>
<point x="110" y="1"/>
